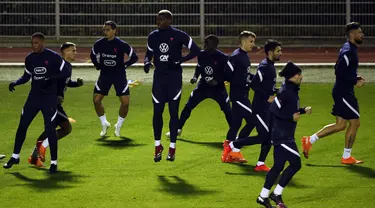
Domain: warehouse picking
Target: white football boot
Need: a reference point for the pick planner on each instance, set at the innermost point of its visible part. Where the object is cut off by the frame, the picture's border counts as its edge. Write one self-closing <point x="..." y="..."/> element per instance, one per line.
<point x="117" y="130"/>
<point x="105" y="128"/>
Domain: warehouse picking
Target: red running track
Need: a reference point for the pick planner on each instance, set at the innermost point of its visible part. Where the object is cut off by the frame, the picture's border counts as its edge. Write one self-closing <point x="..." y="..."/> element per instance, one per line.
<point x="298" y="55"/>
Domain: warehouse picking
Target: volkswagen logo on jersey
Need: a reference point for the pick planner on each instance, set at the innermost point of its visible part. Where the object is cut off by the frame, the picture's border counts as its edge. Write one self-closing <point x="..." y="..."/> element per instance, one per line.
<point x="40" y="70"/>
<point x="208" y="70"/>
<point x="164" y="48"/>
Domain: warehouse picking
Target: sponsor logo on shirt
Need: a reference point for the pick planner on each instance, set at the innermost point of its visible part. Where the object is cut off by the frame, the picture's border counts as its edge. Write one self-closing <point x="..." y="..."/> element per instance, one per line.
<point x="164" y="48"/>
<point x="207" y="79"/>
<point x="164" y="58"/>
<point x="110" y="62"/>
<point x="40" y="70"/>
<point x="39" y="78"/>
<point x="208" y="70"/>
<point x="109" y="56"/>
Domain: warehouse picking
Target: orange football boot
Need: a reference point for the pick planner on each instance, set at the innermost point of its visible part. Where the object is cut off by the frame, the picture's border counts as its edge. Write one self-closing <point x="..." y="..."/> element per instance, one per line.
<point x="306" y="146"/>
<point x="226" y="151"/>
<point x="261" y="168"/>
<point x="350" y="161"/>
<point x="236" y="157"/>
<point x="42" y="153"/>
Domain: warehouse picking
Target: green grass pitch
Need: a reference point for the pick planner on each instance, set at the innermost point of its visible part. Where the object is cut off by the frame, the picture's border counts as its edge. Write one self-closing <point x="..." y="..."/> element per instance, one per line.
<point x="120" y="172"/>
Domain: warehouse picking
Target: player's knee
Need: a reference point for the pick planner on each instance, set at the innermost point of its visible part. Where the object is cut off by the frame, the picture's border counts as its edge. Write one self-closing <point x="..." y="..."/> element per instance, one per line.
<point x="278" y="167"/>
<point x="68" y="129"/>
<point x="340" y="126"/>
<point x="173" y="114"/>
<point x="358" y="123"/>
<point x="187" y="110"/>
<point x="125" y="105"/>
<point x="23" y="123"/>
<point x="22" y="127"/>
<point x="355" y="123"/>
<point x="297" y="165"/>
<point x="225" y="109"/>
<point x="158" y="111"/>
<point x="235" y="126"/>
<point x="50" y="130"/>
<point x="97" y="101"/>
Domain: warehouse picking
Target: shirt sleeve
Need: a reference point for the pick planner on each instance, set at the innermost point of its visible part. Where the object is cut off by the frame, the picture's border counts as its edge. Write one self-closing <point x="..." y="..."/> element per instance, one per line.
<point x="64" y="72"/>
<point x="149" y="50"/>
<point x="258" y="84"/>
<point x="26" y="74"/>
<point x="131" y="53"/>
<point x="282" y="111"/>
<point x="342" y="69"/>
<point x="198" y="69"/>
<point x="191" y="45"/>
<point x="228" y="70"/>
<point x="95" y="55"/>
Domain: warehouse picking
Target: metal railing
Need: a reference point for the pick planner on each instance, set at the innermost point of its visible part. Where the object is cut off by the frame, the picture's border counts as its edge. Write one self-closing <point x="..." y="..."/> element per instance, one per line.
<point x="320" y="19"/>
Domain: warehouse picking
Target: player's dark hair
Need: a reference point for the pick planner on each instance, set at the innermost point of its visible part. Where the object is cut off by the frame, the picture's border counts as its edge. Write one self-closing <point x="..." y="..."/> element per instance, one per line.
<point x="111" y="23"/>
<point x="211" y="41"/>
<point x="351" y="26"/>
<point x="166" y="14"/>
<point x="289" y="70"/>
<point x="246" y="34"/>
<point x="66" y="45"/>
<point x="38" y="35"/>
<point x="271" y="45"/>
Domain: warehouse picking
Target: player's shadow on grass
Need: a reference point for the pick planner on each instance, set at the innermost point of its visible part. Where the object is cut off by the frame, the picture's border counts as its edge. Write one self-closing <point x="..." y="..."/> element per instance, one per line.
<point x="216" y="145"/>
<point x="59" y="180"/>
<point x="361" y="170"/>
<point x="117" y="142"/>
<point x="178" y="186"/>
<point x="247" y="170"/>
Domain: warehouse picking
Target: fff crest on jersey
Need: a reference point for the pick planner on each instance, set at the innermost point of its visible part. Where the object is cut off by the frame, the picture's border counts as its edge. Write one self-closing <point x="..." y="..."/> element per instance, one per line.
<point x="208" y="70"/>
<point x="164" y="48"/>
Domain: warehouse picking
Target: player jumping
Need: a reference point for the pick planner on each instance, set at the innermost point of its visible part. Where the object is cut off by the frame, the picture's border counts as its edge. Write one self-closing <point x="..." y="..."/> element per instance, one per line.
<point x="164" y="46"/>
<point x="211" y="65"/>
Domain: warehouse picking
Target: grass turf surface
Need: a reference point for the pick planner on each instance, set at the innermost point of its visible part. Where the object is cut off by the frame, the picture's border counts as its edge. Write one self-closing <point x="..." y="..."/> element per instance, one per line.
<point x="120" y="172"/>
